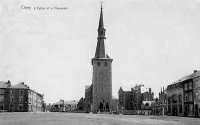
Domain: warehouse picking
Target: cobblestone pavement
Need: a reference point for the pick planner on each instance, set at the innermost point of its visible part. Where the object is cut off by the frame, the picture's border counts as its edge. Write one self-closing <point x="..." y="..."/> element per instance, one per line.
<point x="91" y="119"/>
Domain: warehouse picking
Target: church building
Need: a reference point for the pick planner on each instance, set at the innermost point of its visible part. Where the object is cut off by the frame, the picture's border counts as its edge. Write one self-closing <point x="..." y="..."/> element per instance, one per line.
<point x="102" y="74"/>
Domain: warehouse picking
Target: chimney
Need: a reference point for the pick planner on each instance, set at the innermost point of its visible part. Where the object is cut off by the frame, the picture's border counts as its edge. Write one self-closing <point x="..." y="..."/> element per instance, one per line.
<point x="9" y="83"/>
<point x="132" y="89"/>
<point x="149" y="90"/>
<point x="195" y="71"/>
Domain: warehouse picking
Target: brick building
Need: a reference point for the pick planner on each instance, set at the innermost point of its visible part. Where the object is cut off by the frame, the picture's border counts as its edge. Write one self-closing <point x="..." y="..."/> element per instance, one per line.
<point x="64" y="106"/>
<point x="163" y="102"/>
<point x="88" y="98"/>
<point x="4" y="102"/>
<point x="175" y="99"/>
<point x="159" y="107"/>
<point x="134" y="100"/>
<point x="19" y="98"/>
<point x="184" y="96"/>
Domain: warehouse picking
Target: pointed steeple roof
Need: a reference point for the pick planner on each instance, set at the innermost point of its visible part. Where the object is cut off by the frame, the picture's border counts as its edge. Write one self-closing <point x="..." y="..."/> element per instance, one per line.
<point x="101" y="26"/>
<point x="100" y="49"/>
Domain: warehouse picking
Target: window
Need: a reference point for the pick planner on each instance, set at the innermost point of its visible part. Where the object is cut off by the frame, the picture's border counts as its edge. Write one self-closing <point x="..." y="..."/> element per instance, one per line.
<point x="191" y="108"/>
<point x="98" y="63"/>
<point x="21" y="99"/>
<point x="196" y="94"/>
<point x="29" y="100"/>
<point x="190" y="85"/>
<point x="174" y="99"/>
<point x="2" y="91"/>
<point x="169" y="100"/>
<point x="165" y="101"/>
<point x="20" y="107"/>
<point x="11" y="91"/>
<point x="101" y="32"/>
<point x="105" y="64"/>
<point x="1" y="107"/>
<point x="186" y="97"/>
<point x="185" y="86"/>
<point x="21" y="92"/>
<point x="180" y="98"/>
<point x="180" y="108"/>
<point x="196" y="84"/>
<point x="11" y="98"/>
<point x="169" y="108"/>
<point x="1" y="98"/>
<point x="190" y="96"/>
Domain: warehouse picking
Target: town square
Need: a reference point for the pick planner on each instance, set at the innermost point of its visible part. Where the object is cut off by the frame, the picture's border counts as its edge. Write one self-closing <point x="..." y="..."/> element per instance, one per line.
<point x="100" y="62"/>
<point x="91" y="119"/>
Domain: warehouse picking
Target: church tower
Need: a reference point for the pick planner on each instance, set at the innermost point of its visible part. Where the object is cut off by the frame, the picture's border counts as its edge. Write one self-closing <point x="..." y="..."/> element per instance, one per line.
<point x="102" y="73"/>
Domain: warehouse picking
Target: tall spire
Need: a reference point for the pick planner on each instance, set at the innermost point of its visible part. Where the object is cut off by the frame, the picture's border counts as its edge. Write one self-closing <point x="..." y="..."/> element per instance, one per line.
<point x="101" y="26"/>
<point x="100" y="49"/>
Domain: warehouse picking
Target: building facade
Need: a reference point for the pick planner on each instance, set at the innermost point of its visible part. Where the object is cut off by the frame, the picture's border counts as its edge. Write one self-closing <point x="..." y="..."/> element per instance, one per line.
<point x="175" y="99"/>
<point x="183" y="96"/>
<point x="159" y="106"/>
<point x="134" y="101"/>
<point x="4" y="102"/>
<point x="102" y="74"/>
<point x="20" y="98"/>
<point x="65" y="106"/>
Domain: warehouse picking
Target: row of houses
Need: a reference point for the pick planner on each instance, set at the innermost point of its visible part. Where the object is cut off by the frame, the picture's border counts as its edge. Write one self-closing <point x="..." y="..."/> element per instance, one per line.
<point x="63" y="106"/>
<point x="19" y="98"/>
<point x="135" y="101"/>
<point x="181" y="98"/>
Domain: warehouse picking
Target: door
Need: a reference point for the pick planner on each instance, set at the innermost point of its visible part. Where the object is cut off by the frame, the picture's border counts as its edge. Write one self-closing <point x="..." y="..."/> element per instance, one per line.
<point x="196" y="111"/>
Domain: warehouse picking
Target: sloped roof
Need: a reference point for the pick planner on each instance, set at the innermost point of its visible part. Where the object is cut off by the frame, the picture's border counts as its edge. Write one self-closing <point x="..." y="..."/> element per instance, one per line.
<point x="20" y="85"/>
<point x="59" y="102"/>
<point x="71" y="102"/>
<point x="114" y="97"/>
<point x="68" y="102"/>
<point x="187" y="77"/>
<point x="4" y="84"/>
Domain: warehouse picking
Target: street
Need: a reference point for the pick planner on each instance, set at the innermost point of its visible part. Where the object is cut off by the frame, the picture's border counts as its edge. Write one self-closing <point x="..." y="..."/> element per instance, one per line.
<point x="91" y="119"/>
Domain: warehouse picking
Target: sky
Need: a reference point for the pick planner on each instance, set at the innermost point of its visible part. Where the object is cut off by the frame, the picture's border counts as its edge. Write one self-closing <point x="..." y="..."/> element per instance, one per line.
<point x="152" y="42"/>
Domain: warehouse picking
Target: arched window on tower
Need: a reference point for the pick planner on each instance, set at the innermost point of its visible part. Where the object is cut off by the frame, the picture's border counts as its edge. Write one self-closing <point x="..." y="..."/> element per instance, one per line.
<point x="98" y="63"/>
<point x="105" y="64"/>
<point x="102" y="33"/>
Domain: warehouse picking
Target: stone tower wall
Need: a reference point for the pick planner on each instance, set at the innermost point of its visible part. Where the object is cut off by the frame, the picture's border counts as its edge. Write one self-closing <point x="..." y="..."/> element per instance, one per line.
<point x="102" y="83"/>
